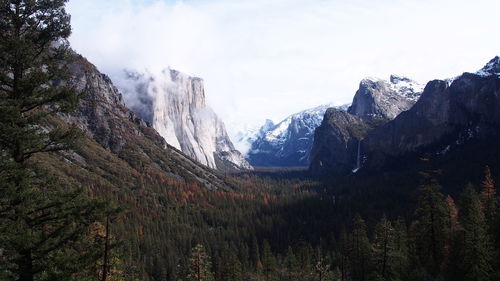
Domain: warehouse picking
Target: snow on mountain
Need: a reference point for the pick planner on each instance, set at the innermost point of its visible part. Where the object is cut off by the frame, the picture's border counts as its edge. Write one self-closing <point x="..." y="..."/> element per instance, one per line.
<point x="381" y="99"/>
<point x="310" y="119"/>
<point x="244" y="138"/>
<point x="174" y="103"/>
<point x="289" y="142"/>
<point x="406" y="87"/>
<point x="491" y="68"/>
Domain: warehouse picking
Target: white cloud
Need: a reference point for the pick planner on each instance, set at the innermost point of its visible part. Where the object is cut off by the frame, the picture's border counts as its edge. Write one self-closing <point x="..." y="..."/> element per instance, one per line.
<point x="270" y="58"/>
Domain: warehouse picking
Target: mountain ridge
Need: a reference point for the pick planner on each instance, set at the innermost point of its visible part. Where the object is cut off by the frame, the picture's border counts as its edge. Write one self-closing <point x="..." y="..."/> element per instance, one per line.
<point x="448" y="114"/>
<point x="451" y="113"/>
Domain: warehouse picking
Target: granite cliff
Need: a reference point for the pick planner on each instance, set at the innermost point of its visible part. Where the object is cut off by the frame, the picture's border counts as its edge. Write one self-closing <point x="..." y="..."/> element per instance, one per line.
<point x="174" y="104"/>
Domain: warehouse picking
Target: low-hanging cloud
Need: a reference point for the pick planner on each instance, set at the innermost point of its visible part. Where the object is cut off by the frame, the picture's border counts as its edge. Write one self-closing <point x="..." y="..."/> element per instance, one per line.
<point x="270" y="58"/>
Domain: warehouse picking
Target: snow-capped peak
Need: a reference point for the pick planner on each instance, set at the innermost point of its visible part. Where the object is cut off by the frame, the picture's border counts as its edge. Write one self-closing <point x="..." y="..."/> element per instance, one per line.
<point x="406" y="87"/>
<point x="491" y="68"/>
<point x="401" y="85"/>
<point x="311" y="118"/>
<point x="289" y="142"/>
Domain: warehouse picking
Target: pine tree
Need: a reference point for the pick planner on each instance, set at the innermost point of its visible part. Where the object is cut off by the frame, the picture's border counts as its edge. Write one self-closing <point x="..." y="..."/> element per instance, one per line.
<point x="359" y="251"/>
<point x="232" y="268"/>
<point x="255" y="254"/>
<point x="322" y="269"/>
<point x="42" y="229"/>
<point x="268" y="261"/>
<point x="199" y="265"/>
<point x="429" y="228"/>
<point x="452" y="229"/>
<point x="291" y="264"/>
<point x="34" y="56"/>
<point x="452" y="223"/>
<point x="477" y="251"/>
<point x="488" y="197"/>
<point x="344" y="263"/>
<point x="401" y="249"/>
<point x="384" y="250"/>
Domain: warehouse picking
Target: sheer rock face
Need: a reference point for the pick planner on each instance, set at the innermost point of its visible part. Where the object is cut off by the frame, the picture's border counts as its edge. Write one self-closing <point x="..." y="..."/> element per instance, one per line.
<point x="288" y="143"/>
<point x="174" y="103"/>
<point x="336" y="143"/>
<point x="380" y="99"/>
<point x="449" y="114"/>
<point x="104" y="118"/>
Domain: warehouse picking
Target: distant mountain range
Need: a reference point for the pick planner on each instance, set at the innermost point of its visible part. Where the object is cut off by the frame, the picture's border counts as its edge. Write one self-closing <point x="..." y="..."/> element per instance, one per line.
<point x="290" y="142"/>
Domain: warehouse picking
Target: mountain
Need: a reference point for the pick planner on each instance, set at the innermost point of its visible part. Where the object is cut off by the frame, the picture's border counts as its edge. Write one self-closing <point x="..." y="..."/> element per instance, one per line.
<point x="174" y="103"/>
<point x="450" y="114"/>
<point x="246" y="136"/>
<point x="119" y="142"/>
<point x="337" y="142"/>
<point x="381" y="99"/>
<point x="167" y="197"/>
<point x="288" y="143"/>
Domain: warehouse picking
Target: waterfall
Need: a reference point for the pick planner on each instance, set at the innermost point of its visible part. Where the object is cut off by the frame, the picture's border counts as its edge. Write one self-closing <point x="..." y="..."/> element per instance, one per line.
<point x="358" y="158"/>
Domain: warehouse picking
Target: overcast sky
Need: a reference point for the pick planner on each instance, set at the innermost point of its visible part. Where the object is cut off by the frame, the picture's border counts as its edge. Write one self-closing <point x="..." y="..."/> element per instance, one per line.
<point x="270" y="58"/>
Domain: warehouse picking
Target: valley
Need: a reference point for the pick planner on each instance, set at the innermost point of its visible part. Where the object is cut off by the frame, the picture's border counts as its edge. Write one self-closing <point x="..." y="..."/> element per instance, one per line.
<point x="136" y="177"/>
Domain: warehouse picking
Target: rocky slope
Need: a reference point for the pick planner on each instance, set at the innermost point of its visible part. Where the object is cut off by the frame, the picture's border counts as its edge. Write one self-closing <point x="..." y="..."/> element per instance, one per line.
<point x="381" y="99"/>
<point x="288" y="143"/>
<point x="118" y="141"/>
<point x="174" y="103"/>
<point x="448" y="115"/>
<point x="337" y="144"/>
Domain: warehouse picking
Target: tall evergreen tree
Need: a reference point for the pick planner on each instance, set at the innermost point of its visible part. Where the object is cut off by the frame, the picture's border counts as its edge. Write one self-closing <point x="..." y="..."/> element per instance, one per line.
<point x="488" y="197"/>
<point x="401" y="249"/>
<point x="322" y="269"/>
<point x="359" y="251"/>
<point x="477" y="251"/>
<point x="452" y="223"/>
<point x="199" y="265"/>
<point x="232" y="270"/>
<point x="291" y="264"/>
<point x="255" y="254"/>
<point x="384" y="250"/>
<point x="268" y="261"/>
<point x="429" y="228"/>
<point x="42" y="229"/>
<point x="452" y="233"/>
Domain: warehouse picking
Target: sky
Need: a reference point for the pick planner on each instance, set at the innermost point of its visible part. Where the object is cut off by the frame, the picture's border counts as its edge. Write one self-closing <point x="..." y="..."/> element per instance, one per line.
<point x="267" y="59"/>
